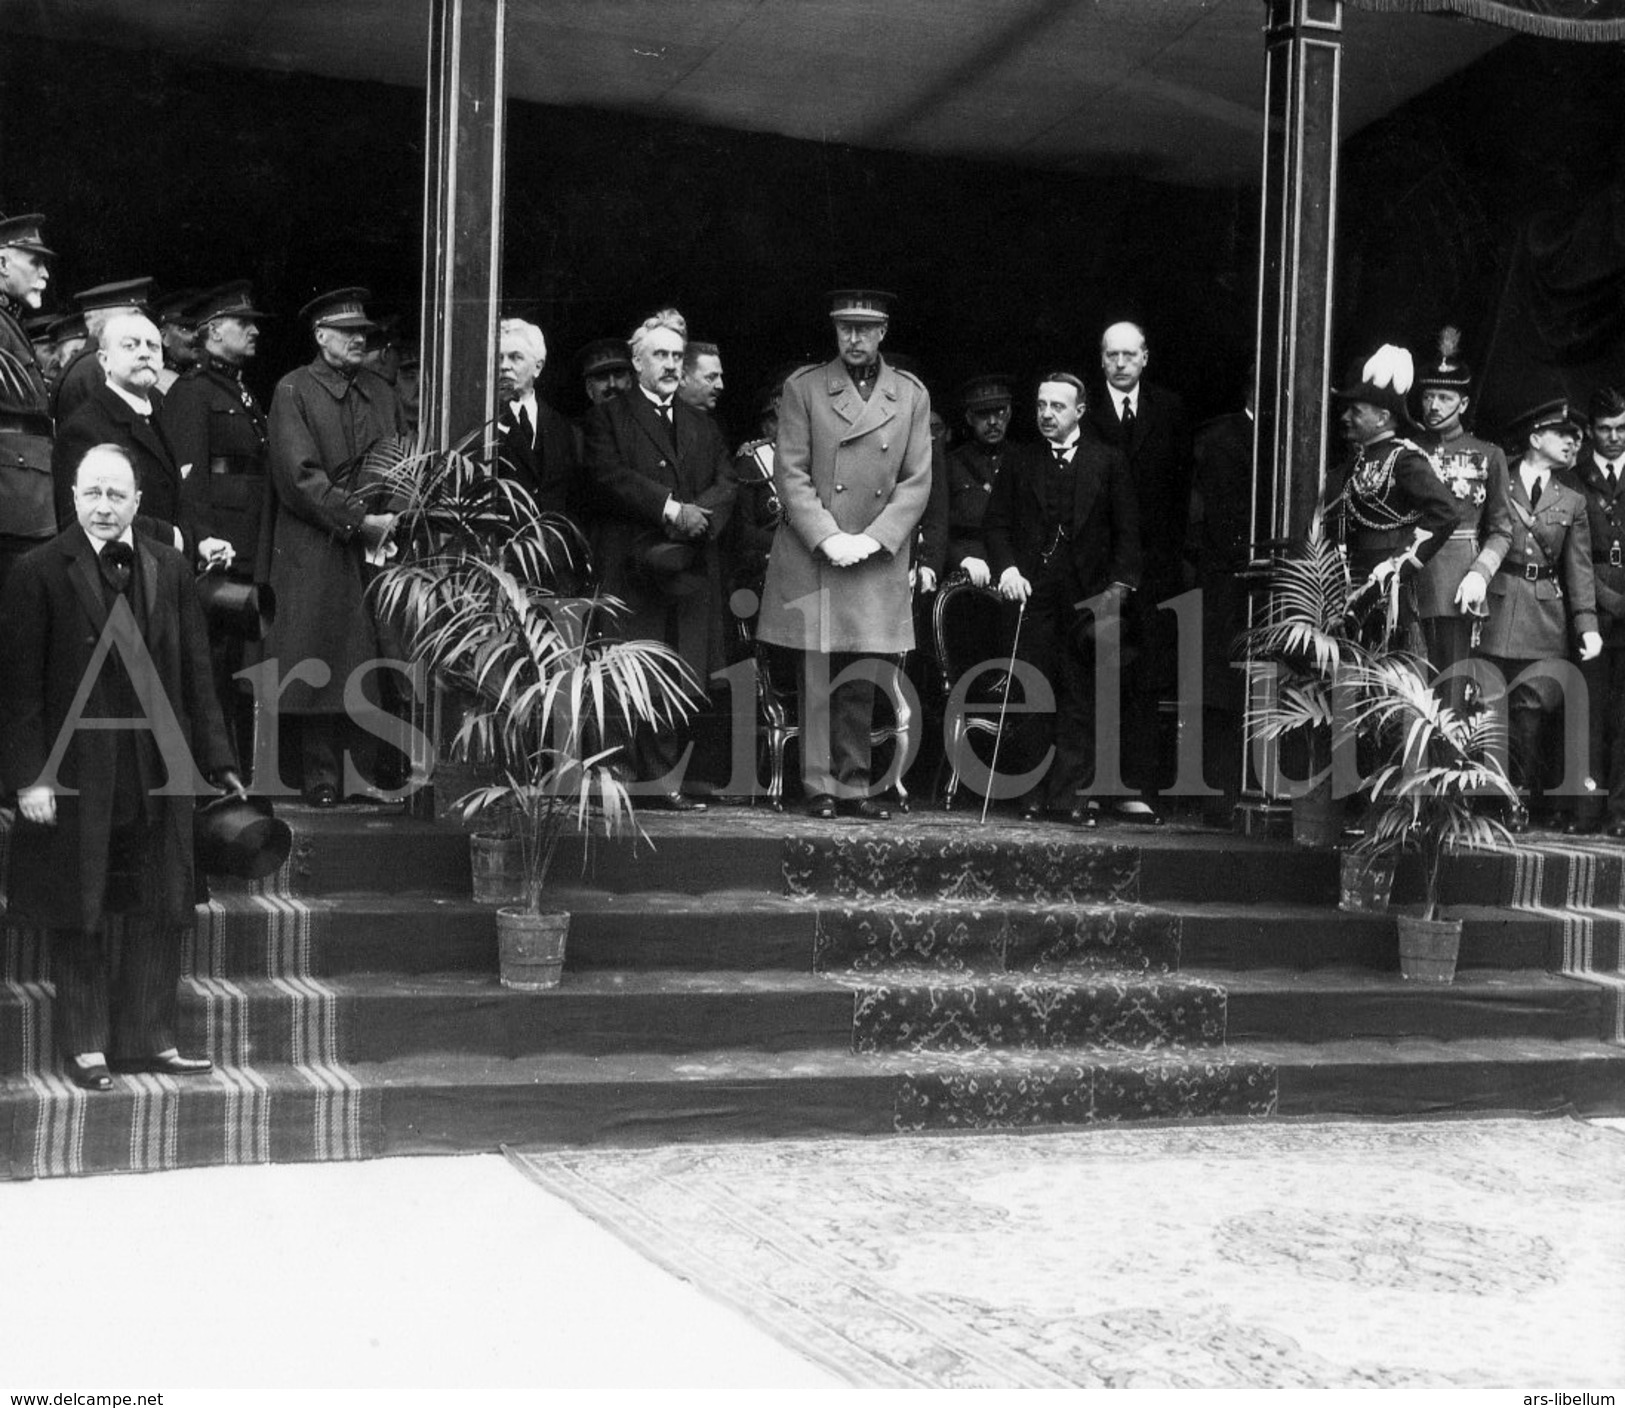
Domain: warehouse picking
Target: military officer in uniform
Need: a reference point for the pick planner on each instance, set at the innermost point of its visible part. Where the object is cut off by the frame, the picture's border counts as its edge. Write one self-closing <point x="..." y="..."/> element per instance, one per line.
<point x="1535" y="572"/>
<point x="178" y="328"/>
<point x="1392" y="513"/>
<point x="216" y="425"/>
<point x="1599" y="474"/>
<point x="1471" y="469"/>
<point x="27" y="503"/>
<point x="68" y="338"/>
<point x="972" y="468"/>
<point x="853" y="472"/>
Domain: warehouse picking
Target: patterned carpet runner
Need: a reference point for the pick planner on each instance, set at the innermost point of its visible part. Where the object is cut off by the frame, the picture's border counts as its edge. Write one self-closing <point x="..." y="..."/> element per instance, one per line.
<point x="279" y="1093"/>
<point x="1026" y="977"/>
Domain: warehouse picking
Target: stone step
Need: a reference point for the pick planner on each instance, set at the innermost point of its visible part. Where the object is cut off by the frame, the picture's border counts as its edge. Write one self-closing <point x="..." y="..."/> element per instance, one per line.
<point x="262" y="1022"/>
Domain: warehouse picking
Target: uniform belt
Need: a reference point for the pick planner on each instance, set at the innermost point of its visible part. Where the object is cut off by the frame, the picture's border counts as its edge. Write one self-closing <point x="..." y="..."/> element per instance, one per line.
<point x="234" y="464"/>
<point x="1469" y="534"/>
<point x="1383" y="539"/>
<point x="1613" y="556"/>
<point x="1530" y="571"/>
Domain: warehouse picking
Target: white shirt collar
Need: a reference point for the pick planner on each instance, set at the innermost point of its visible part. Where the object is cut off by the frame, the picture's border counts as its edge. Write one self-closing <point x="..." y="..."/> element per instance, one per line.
<point x="528" y="401"/>
<point x="141" y="403"/>
<point x="1533" y="474"/>
<point x="1608" y="466"/>
<point x="1068" y="444"/>
<point x="1132" y="397"/>
<point x="654" y="400"/>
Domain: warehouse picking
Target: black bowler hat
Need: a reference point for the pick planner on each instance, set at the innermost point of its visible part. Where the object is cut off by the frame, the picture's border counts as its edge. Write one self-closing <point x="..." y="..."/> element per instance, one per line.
<point x="605" y="354"/>
<point x="1447" y="371"/>
<point x="1383" y="379"/>
<point x="240" y="836"/>
<point x="861" y="305"/>
<point x="233" y="300"/>
<point x="339" y="309"/>
<point x="126" y="293"/>
<point x="1549" y="415"/>
<point x="986" y="392"/>
<point x="23" y="232"/>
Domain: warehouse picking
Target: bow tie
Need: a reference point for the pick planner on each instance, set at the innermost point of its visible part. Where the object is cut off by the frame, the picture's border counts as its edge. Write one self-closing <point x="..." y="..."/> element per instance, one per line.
<point x="116" y="562"/>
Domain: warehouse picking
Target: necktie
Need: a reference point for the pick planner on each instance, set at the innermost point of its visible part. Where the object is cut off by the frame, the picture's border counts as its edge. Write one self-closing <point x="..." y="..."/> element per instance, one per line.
<point x="1128" y="416"/>
<point x="522" y="420"/>
<point x="665" y="411"/>
<point x="116" y="561"/>
<point x="1534" y="491"/>
<point x="1612" y="471"/>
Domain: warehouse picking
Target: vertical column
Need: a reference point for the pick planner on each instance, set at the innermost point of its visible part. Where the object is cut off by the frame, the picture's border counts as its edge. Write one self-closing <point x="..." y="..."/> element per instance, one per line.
<point x="464" y="137"/>
<point x="1302" y="71"/>
<point x="465" y="127"/>
<point x="1304" y="50"/>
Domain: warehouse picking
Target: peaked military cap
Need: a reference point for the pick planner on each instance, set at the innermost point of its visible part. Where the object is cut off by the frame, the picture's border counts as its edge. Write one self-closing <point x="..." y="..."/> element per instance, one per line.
<point x="1549" y="415"/>
<point x="176" y="307"/>
<point x="233" y="300"/>
<point x="62" y="329"/>
<point x="605" y="354"/>
<point x="24" y="232"/>
<point x="339" y="309"/>
<point x="127" y="293"/>
<point x="861" y="305"/>
<point x="986" y="392"/>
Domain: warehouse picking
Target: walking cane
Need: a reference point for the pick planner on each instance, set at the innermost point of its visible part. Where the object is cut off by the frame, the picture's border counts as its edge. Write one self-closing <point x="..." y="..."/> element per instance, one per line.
<point x="1004" y="703"/>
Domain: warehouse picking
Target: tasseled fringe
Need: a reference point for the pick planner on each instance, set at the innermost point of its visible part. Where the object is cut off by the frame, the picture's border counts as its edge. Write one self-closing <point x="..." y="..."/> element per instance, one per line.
<point x="1509" y="14"/>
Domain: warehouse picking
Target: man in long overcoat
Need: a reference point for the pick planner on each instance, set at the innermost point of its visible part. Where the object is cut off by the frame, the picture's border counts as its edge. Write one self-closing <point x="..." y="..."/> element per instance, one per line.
<point x="102" y="623"/>
<point x="27" y="511"/>
<point x="853" y="473"/>
<point x="324" y="419"/>
<point x="658" y="473"/>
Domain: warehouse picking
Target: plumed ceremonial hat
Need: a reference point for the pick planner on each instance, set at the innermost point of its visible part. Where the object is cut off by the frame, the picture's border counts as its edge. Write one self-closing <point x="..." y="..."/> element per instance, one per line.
<point x="1383" y="379"/>
<point x="1447" y="371"/>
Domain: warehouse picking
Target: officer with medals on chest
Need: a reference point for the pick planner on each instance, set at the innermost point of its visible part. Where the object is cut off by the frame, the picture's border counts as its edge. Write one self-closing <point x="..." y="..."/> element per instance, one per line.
<point x="217" y="426"/>
<point x="1599" y="475"/>
<point x="1535" y="574"/>
<point x="1393" y="514"/>
<point x="1472" y="470"/>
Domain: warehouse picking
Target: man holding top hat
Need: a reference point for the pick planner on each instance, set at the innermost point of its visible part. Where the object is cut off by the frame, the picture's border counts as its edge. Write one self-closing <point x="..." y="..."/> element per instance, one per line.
<point x="100" y="625"/>
<point x="1535" y="575"/>
<point x="325" y="417"/>
<point x="853" y="474"/>
<point x="27" y="504"/>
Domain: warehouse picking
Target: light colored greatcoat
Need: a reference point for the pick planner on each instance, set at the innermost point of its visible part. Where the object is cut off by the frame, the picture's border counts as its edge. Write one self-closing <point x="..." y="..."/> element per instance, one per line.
<point x="846" y="465"/>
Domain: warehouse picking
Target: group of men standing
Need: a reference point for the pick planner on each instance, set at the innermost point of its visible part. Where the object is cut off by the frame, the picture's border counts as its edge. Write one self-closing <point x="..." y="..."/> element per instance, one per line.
<point x="1517" y="566"/>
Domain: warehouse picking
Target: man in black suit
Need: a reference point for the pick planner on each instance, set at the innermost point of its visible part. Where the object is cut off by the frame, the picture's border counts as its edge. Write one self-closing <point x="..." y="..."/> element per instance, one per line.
<point x="537" y="449"/>
<point x="1061" y="529"/>
<point x="659" y="475"/>
<point x="1148" y="424"/>
<point x="123" y="410"/>
<point x="99" y="624"/>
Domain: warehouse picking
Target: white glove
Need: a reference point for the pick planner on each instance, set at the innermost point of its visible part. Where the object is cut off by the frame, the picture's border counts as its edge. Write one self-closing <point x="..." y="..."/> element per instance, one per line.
<point x="215" y="552"/>
<point x="925" y="580"/>
<point x="1471" y="593"/>
<point x="1013" y="586"/>
<point x="977" y="570"/>
<point x="1384" y="572"/>
<point x="1590" y="645"/>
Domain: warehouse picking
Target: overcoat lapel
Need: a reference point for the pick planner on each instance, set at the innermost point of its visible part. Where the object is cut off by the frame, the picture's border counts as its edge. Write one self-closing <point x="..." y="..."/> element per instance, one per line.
<point x="843" y="395"/>
<point x="879" y="408"/>
<point x="1085" y="487"/>
<point x="86" y="578"/>
<point x="651" y="423"/>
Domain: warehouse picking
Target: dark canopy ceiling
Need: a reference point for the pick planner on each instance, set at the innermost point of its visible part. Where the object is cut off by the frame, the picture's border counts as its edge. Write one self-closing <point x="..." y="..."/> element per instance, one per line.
<point x="1170" y="87"/>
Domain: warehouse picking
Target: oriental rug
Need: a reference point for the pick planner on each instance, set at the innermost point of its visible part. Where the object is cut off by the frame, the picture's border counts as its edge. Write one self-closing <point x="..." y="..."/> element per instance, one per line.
<point x="1464" y="1254"/>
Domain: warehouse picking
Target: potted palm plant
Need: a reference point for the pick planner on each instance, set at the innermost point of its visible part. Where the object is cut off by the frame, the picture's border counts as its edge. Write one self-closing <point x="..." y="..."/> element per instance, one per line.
<point x="1434" y="764"/>
<point x="1302" y="646"/>
<point x="478" y="594"/>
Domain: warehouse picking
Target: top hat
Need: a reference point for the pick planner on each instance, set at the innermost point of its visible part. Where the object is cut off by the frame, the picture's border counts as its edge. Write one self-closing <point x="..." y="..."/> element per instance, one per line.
<point x="1549" y="415"/>
<point x="240" y="836"/>
<point x="1447" y="371"/>
<point x="986" y="392"/>
<point x="861" y="305"/>
<point x="233" y="300"/>
<point x="1383" y="379"/>
<point x="126" y="293"/>
<point x="23" y="232"/>
<point x="605" y="354"/>
<point x="339" y="309"/>
<point x="235" y="605"/>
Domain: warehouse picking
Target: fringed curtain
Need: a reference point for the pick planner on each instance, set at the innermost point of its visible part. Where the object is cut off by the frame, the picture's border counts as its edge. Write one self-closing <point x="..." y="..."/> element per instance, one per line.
<point x="1592" y="21"/>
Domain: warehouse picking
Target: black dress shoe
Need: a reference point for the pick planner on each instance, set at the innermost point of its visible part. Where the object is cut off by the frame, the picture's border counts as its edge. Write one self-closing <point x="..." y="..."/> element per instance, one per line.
<point x="674" y="802"/>
<point x="821" y="807"/>
<point x="866" y="809"/>
<point x="94" y="1077"/>
<point x="1148" y="817"/>
<point x="324" y="796"/>
<point x="1084" y="816"/>
<point x="169" y="1065"/>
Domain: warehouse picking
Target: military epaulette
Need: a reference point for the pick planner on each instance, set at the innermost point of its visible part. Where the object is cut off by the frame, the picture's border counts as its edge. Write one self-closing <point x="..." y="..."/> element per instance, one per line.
<point x="908" y="376"/>
<point x="800" y="372"/>
<point x="1410" y="445"/>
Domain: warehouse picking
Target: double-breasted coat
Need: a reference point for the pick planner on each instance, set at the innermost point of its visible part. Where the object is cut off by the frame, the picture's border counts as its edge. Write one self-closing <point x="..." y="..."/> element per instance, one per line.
<point x="322" y="424"/>
<point x="1538" y="562"/>
<point x="634" y="462"/>
<point x="52" y="616"/>
<point x="1472" y="470"/>
<point x="1605" y="510"/>
<point x="846" y="465"/>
